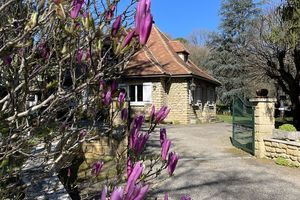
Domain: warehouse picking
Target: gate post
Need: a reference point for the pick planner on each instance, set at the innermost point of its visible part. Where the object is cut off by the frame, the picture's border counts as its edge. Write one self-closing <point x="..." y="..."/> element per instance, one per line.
<point x="264" y="122"/>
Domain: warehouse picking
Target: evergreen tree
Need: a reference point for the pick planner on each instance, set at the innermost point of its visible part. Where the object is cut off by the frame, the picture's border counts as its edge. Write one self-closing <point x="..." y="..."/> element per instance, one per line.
<point x="225" y="62"/>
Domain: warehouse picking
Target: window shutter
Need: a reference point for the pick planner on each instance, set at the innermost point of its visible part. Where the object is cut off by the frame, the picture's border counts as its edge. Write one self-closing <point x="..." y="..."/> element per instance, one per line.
<point x="147" y="92"/>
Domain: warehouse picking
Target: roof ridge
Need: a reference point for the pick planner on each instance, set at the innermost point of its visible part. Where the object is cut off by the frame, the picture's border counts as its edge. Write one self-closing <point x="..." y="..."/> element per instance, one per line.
<point x="168" y="49"/>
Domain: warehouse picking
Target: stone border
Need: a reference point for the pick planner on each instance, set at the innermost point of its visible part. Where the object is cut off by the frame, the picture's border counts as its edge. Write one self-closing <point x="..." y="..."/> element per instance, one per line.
<point x="285" y="149"/>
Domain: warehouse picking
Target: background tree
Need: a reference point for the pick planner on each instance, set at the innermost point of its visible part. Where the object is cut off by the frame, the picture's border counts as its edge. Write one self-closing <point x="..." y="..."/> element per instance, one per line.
<point x="225" y="62"/>
<point x="274" y="49"/>
<point x="196" y="45"/>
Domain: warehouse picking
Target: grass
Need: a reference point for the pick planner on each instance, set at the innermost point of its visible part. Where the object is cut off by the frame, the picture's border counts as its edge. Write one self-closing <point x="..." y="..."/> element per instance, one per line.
<point x="284" y="162"/>
<point x="240" y="120"/>
<point x="225" y="118"/>
<point x="278" y="121"/>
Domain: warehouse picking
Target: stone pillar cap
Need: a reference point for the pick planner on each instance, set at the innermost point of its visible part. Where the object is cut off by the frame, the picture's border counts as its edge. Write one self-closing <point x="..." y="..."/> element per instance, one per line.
<point x="263" y="99"/>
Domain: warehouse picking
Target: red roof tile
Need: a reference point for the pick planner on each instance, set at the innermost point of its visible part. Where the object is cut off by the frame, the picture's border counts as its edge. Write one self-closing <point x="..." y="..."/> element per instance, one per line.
<point x="178" y="47"/>
<point x="159" y="58"/>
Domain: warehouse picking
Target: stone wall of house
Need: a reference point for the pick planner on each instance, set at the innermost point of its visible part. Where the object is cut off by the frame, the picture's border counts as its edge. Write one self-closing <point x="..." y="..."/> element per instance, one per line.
<point x="174" y="93"/>
<point x="158" y="93"/>
<point x="106" y="149"/>
<point x="285" y="149"/>
<point x="178" y="101"/>
<point x="205" y="111"/>
<point x="108" y="146"/>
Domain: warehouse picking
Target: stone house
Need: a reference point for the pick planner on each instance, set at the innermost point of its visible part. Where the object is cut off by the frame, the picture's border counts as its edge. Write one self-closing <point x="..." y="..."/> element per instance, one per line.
<point x="161" y="73"/>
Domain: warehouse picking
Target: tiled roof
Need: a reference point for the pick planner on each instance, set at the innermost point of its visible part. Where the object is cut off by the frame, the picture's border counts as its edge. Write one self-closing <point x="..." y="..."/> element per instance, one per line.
<point x="159" y="58"/>
<point x="178" y="46"/>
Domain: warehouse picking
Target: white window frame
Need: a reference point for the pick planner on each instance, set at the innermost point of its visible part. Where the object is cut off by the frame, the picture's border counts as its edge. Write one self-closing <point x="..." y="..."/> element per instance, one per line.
<point x="140" y="103"/>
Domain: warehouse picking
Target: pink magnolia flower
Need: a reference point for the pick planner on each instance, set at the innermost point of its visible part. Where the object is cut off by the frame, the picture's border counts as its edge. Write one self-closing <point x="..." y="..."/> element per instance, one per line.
<point x="152" y="113"/>
<point x="143" y="7"/>
<point x="165" y="149"/>
<point x="185" y="198"/>
<point x="104" y="193"/>
<point x="134" y="176"/>
<point x="129" y="166"/>
<point x="162" y="136"/>
<point x="135" y="126"/>
<point x="7" y="60"/>
<point x="143" y="20"/>
<point x="139" y="142"/>
<point x="76" y="6"/>
<point x="162" y="114"/>
<point x="116" y="26"/>
<point x="128" y="38"/>
<point x="82" y="133"/>
<point x="79" y="55"/>
<point x="102" y="84"/>
<point x="172" y="162"/>
<point x="145" y="29"/>
<point x="138" y="192"/>
<point x="44" y="51"/>
<point x="114" y="86"/>
<point x="166" y="197"/>
<point x="69" y="172"/>
<point x="96" y="167"/>
<point x="107" y="98"/>
<point x="117" y="194"/>
<point x="110" y="12"/>
<point x="124" y="114"/>
<point x="121" y="98"/>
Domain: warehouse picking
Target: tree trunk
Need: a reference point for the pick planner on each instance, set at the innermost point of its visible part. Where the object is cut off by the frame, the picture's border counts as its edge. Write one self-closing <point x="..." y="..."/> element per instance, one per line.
<point x="296" y="113"/>
<point x="296" y="116"/>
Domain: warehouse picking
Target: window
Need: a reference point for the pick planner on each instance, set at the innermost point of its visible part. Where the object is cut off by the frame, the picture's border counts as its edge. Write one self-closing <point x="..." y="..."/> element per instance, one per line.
<point x="211" y="95"/>
<point x="140" y="94"/>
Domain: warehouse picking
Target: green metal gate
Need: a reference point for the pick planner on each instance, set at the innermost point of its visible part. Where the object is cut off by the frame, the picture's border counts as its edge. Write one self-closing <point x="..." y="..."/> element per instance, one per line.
<point x="243" y="125"/>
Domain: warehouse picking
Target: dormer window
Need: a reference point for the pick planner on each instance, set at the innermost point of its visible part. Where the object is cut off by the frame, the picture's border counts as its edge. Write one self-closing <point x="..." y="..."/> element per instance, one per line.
<point x="179" y="48"/>
<point x="184" y="56"/>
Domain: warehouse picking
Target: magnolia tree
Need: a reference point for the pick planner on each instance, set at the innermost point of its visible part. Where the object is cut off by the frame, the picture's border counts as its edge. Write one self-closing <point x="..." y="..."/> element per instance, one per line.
<point x="59" y="62"/>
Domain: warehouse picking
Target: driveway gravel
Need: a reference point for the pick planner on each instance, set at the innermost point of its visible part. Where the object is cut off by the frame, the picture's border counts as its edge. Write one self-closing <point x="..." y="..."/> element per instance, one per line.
<point x="211" y="168"/>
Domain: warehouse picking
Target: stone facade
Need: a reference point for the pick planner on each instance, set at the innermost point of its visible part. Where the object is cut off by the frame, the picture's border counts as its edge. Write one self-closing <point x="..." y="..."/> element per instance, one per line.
<point x="264" y="122"/>
<point x="106" y="149"/>
<point x="110" y="147"/>
<point x="265" y="146"/>
<point x="285" y="149"/>
<point x="178" y="101"/>
<point x="174" y="93"/>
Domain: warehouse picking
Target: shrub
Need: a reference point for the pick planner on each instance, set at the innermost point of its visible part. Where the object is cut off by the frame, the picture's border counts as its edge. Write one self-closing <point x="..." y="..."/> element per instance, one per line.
<point x="287" y="127"/>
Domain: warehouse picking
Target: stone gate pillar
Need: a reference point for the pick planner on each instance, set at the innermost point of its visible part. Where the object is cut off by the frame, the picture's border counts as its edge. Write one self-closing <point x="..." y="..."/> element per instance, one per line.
<point x="264" y="122"/>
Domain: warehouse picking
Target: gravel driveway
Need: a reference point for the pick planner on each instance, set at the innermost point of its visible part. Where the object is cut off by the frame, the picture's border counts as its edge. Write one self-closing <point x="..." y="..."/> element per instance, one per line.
<point x="211" y="168"/>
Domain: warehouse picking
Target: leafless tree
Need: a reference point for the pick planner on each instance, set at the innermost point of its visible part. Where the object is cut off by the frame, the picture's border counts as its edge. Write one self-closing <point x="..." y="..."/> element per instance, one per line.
<point x="273" y="52"/>
<point x="50" y="70"/>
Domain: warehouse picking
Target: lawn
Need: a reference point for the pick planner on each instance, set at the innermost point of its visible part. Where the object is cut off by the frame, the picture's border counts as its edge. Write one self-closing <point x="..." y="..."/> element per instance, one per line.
<point x="278" y="121"/>
<point x="225" y="118"/>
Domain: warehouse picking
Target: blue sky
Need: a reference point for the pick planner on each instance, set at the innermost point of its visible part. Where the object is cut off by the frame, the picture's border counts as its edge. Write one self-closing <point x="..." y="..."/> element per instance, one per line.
<point x="180" y="17"/>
